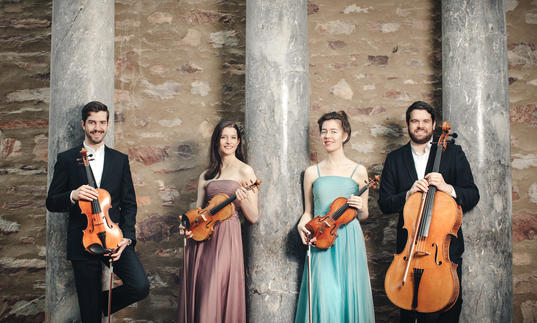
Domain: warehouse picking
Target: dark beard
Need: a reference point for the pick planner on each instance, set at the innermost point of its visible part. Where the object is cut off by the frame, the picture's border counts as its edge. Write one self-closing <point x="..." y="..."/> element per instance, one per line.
<point x="422" y="141"/>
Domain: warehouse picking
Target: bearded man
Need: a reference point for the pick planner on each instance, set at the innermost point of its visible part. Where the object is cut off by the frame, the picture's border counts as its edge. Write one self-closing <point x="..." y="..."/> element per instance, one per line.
<point x="408" y="170"/>
<point x="69" y="185"/>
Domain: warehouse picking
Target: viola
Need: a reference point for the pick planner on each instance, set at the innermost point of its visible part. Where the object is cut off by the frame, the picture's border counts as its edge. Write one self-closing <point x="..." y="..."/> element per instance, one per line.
<point x="201" y="221"/>
<point x="324" y="228"/>
<point x="422" y="278"/>
<point x="101" y="235"/>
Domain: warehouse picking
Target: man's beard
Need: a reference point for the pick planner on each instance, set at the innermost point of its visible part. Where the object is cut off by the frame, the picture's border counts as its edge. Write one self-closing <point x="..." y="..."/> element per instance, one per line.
<point x="93" y="142"/>
<point x="420" y="141"/>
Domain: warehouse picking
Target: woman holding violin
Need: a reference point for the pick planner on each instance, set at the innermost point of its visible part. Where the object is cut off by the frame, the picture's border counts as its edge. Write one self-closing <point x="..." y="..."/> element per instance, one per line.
<point x="213" y="288"/>
<point x="340" y="287"/>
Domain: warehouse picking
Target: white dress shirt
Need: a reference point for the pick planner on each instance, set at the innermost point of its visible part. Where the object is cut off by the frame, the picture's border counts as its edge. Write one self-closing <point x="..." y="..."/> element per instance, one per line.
<point x="96" y="162"/>
<point x="420" y="162"/>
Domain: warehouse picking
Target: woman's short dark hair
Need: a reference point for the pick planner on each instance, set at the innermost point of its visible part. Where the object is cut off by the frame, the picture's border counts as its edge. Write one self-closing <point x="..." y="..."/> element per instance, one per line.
<point x="419" y="105"/>
<point x="215" y="160"/>
<point x="94" y="106"/>
<point x="342" y="117"/>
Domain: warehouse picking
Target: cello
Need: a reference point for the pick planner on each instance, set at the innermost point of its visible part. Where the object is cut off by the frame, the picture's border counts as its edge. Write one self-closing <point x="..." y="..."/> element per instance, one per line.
<point x="422" y="278"/>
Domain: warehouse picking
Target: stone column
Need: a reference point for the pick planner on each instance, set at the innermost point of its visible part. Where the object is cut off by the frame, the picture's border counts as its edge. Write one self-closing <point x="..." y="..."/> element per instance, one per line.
<point x="476" y="103"/>
<point x="277" y="106"/>
<point x="81" y="70"/>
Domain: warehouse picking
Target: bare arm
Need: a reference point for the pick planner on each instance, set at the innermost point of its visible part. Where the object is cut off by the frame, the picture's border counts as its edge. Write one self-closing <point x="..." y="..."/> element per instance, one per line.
<point x="248" y="198"/>
<point x="360" y="202"/>
<point x="309" y="178"/>
<point x="201" y="190"/>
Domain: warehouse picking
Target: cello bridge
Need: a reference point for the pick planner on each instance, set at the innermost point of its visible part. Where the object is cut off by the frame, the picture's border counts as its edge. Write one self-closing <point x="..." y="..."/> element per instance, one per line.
<point x="421" y="253"/>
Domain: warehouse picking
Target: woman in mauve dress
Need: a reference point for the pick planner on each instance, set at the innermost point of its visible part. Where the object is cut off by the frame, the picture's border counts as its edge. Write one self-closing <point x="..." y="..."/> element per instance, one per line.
<point x="214" y="269"/>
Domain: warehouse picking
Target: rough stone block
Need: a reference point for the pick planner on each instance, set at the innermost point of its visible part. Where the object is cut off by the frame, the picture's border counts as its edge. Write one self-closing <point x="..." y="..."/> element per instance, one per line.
<point x="526" y="113"/>
<point x="157" y="227"/>
<point x="157" y="18"/>
<point x="342" y="90"/>
<point x="336" y="44"/>
<point x="148" y="155"/>
<point x="335" y="27"/>
<point x="524" y="226"/>
<point x="226" y="38"/>
<point x="166" y="90"/>
<point x="10" y="148"/>
<point x="380" y="60"/>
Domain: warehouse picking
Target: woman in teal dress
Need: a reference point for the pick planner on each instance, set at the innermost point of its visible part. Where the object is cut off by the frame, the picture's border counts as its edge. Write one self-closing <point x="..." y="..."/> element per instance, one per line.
<point x="340" y="287"/>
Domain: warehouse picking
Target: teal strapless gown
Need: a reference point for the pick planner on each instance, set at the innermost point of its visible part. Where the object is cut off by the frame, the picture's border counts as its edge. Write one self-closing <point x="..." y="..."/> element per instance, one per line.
<point x="341" y="290"/>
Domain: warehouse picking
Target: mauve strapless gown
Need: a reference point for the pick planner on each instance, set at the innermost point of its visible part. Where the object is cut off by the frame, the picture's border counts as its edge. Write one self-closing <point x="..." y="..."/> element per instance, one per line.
<point x="215" y="287"/>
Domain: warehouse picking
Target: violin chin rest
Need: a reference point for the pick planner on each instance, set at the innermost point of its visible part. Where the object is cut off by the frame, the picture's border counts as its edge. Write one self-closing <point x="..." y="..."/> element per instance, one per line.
<point x="185" y="222"/>
<point x="97" y="249"/>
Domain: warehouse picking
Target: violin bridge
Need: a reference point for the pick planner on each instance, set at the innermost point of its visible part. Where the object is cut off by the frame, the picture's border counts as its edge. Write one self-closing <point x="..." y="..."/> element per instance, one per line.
<point x="421" y="253"/>
<point x="327" y="224"/>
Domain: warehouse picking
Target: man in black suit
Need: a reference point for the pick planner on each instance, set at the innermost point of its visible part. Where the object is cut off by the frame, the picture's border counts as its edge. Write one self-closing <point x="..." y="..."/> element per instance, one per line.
<point x="408" y="170"/>
<point x="69" y="185"/>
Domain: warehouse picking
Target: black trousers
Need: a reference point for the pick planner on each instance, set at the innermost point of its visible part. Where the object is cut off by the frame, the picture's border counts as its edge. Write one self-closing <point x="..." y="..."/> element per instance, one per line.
<point x="450" y="316"/>
<point x="93" y="302"/>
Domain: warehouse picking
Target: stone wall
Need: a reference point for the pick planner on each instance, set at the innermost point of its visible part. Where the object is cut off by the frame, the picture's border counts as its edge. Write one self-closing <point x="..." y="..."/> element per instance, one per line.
<point x="522" y="47"/>
<point x="180" y="69"/>
<point x="24" y="96"/>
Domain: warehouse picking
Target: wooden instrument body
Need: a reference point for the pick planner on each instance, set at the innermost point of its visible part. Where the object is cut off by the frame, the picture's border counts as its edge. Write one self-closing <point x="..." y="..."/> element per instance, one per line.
<point x="100" y="229"/>
<point x="202" y="221"/>
<point x="438" y="286"/>
<point x="101" y="236"/>
<point x="324" y="228"/>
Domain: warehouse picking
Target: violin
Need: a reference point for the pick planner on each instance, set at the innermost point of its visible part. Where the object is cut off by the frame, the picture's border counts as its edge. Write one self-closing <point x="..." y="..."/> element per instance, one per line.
<point x="324" y="228"/>
<point x="201" y="221"/>
<point x="101" y="235"/>
<point x="422" y="278"/>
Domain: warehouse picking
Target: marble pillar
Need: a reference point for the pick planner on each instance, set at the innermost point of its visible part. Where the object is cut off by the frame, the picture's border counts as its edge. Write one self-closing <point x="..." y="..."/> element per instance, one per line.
<point x="276" y="126"/>
<point x="476" y="103"/>
<point x="81" y="70"/>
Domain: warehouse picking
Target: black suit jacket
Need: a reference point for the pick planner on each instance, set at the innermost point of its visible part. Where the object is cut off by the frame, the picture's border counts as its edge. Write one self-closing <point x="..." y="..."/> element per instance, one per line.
<point x="116" y="179"/>
<point x="399" y="174"/>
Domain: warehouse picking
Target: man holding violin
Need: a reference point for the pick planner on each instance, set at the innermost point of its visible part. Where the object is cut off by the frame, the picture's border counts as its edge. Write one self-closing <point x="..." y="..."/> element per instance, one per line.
<point x="111" y="172"/>
<point x="408" y="170"/>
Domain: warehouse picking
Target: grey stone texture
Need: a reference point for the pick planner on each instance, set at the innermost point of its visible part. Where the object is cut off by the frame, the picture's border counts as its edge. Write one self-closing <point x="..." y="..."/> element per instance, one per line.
<point x="277" y="104"/>
<point x="166" y="53"/>
<point x="476" y="103"/>
<point x="82" y="70"/>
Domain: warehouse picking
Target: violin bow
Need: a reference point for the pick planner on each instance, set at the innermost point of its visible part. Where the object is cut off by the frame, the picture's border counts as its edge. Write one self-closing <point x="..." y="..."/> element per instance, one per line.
<point x="309" y="281"/>
<point x="110" y="291"/>
<point x="184" y="274"/>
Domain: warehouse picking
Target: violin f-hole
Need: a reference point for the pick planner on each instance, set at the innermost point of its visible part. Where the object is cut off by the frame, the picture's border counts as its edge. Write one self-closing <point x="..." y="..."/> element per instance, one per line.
<point x="436" y="261"/>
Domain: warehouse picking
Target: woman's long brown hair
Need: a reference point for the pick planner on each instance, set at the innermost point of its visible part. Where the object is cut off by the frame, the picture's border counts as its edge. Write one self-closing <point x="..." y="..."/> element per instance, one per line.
<point x="215" y="160"/>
